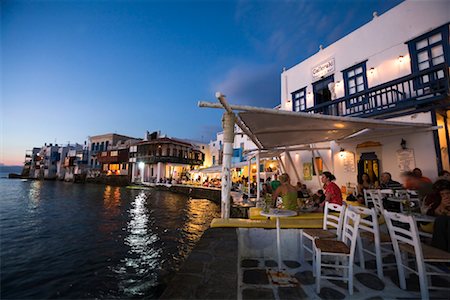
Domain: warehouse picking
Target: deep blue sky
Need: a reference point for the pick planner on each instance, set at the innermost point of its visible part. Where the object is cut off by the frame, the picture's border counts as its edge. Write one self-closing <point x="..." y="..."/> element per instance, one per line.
<point x="70" y="69"/>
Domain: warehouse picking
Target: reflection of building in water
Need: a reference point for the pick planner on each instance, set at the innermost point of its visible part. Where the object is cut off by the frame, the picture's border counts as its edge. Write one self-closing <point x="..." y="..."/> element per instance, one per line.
<point x="111" y="196"/>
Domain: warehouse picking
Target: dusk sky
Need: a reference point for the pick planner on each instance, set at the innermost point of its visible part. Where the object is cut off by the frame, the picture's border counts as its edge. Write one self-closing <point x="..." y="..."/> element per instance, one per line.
<point x="72" y="69"/>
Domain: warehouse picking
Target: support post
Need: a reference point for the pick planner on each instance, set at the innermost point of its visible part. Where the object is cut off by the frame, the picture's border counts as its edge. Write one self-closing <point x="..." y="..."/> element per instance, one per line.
<point x="258" y="179"/>
<point x="249" y="174"/>
<point x="283" y="167"/>
<point x="228" y="120"/>
<point x="288" y="155"/>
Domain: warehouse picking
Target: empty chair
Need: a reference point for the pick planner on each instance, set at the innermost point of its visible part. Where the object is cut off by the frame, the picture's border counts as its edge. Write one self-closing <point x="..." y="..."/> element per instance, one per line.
<point x="344" y="248"/>
<point x="369" y="230"/>
<point x="368" y="197"/>
<point x="405" y="240"/>
<point x="331" y="229"/>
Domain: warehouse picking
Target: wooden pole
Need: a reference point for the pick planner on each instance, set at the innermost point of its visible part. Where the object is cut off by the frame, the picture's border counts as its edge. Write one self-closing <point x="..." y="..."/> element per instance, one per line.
<point x="228" y="139"/>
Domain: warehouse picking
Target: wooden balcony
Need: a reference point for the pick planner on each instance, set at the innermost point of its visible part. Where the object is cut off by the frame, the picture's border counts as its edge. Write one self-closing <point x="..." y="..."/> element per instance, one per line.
<point x="415" y="91"/>
<point x="150" y="159"/>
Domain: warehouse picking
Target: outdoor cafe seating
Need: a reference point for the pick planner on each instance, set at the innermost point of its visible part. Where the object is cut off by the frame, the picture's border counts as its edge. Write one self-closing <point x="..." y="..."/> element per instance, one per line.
<point x="406" y="242"/>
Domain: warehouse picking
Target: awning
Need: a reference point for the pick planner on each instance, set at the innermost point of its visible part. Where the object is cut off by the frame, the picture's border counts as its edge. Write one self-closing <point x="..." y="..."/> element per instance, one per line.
<point x="275" y="128"/>
<point x="218" y="169"/>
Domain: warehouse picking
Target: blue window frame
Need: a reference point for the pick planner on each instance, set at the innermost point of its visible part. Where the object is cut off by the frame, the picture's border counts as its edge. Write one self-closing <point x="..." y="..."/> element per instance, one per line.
<point x="429" y="50"/>
<point x="299" y="100"/>
<point x="355" y="81"/>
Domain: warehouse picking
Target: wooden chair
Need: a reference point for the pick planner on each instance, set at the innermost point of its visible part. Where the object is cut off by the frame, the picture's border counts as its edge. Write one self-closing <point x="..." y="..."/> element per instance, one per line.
<point x="331" y="229"/>
<point x="344" y="248"/>
<point x="405" y="240"/>
<point x="369" y="230"/>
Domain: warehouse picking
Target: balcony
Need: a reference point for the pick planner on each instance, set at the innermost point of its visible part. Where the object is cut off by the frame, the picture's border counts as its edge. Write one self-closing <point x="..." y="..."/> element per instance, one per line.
<point x="412" y="91"/>
<point x="168" y="159"/>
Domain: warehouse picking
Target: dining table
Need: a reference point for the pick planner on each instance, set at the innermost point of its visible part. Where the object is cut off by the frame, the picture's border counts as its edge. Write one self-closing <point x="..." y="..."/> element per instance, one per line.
<point x="277" y="214"/>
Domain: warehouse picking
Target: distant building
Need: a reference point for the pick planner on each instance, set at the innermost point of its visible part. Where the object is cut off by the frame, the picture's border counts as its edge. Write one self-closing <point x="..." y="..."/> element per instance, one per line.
<point x="158" y="159"/>
<point x="104" y="142"/>
<point x="44" y="162"/>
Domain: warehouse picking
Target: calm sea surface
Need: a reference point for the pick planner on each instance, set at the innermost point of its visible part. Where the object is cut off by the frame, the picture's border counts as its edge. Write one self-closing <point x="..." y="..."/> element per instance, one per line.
<point x="65" y="240"/>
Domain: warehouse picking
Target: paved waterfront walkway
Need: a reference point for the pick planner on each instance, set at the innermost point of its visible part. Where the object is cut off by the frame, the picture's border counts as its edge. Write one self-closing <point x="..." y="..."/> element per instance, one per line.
<point x="212" y="271"/>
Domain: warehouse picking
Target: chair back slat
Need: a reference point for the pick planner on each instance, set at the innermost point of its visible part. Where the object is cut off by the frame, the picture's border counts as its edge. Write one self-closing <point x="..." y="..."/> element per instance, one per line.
<point x="350" y="230"/>
<point x="403" y="228"/>
<point x="331" y="220"/>
<point x="368" y="197"/>
<point x="377" y="201"/>
<point x="367" y="224"/>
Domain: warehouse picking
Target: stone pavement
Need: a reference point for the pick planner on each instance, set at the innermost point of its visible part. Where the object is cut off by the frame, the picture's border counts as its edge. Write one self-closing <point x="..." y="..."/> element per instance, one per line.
<point x="212" y="271"/>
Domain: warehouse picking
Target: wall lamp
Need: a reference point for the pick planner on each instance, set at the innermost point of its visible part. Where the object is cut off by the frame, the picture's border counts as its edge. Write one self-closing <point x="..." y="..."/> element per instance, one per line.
<point x="342" y="153"/>
<point x="400" y="59"/>
<point x="372" y="70"/>
<point x="403" y="144"/>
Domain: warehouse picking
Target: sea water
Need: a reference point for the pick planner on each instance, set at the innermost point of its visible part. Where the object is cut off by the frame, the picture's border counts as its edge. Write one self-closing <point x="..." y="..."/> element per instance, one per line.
<point x="65" y="240"/>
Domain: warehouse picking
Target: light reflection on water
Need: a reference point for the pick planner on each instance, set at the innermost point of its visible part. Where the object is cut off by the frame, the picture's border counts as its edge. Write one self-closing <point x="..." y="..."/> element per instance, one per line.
<point x="74" y="241"/>
<point x="143" y="255"/>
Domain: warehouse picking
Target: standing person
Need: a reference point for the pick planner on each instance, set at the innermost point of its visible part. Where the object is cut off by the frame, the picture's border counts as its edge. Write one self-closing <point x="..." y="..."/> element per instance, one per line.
<point x="287" y="192"/>
<point x="332" y="191"/>
<point x="275" y="183"/>
<point x="418" y="174"/>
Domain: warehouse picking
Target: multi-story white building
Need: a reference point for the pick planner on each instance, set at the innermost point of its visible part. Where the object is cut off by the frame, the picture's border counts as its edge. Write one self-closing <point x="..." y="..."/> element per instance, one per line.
<point x="103" y="143"/>
<point x="395" y="67"/>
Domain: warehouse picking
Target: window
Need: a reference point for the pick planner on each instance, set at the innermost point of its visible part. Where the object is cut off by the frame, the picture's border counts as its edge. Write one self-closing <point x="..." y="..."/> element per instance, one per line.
<point x="299" y="100"/>
<point x="114" y="153"/>
<point x="355" y="81"/>
<point x="429" y="50"/>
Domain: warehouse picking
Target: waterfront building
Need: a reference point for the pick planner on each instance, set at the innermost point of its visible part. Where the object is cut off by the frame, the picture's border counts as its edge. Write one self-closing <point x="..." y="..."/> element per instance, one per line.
<point x="44" y="162"/>
<point x="395" y="67"/>
<point x="30" y="161"/>
<point x="103" y="143"/>
<point x="75" y="163"/>
<point x="162" y="159"/>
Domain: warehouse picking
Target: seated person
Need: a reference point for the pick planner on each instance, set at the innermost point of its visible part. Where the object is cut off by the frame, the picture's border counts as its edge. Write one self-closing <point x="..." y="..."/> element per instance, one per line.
<point x="386" y="182"/>
<point x="364" y="183"/>
<point x="318" y="198"/>
<point x="287" y="192"/>
<point x="441" y="209"/>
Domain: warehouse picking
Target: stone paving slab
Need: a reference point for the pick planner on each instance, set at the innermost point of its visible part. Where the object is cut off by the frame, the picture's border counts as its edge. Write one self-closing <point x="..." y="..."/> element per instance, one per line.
<point x="210" y="271"/>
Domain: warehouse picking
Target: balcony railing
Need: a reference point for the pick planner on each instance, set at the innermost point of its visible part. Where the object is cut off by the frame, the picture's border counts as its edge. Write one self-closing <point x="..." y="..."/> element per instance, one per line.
<point x="168" y="159"/>
<point x="409" y="91"/>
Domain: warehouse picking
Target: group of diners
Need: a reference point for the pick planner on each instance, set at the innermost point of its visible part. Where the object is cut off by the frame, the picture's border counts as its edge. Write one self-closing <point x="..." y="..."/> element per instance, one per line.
<point x="435" y="197"/>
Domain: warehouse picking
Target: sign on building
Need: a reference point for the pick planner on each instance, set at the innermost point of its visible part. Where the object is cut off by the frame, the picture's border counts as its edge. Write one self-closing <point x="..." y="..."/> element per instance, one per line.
<point x="323" y="69"/>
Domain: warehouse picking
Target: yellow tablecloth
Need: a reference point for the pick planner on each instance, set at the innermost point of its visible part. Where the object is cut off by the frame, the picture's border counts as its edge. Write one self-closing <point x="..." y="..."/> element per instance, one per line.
<point x="254" y="213"/>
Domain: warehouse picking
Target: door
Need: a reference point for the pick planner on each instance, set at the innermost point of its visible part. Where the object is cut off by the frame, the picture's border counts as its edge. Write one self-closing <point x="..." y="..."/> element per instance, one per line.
<point x="322" y="94"/>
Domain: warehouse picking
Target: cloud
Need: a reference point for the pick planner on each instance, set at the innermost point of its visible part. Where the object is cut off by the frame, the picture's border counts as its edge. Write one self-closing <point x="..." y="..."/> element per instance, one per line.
<point x="251" y="84"/>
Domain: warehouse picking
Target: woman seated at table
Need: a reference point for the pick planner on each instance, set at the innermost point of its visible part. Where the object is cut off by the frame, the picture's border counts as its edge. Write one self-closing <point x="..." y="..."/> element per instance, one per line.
<point x="364" y="183"/>
<point x="441" y="209"/>
<point x="332" y="191"/>
<point x="287" y="192"/>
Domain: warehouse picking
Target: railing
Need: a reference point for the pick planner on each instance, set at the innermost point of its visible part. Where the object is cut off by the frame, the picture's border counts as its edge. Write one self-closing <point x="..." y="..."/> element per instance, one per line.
<point x="409" y="91"/>
<point x="168" y="159"/>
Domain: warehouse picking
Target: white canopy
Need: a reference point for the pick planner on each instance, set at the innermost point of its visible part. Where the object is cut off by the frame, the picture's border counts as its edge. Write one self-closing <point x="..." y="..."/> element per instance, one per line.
<point x="283" y="128"/>
<point x="218" y="169"/>
<point x="271" y="128"/>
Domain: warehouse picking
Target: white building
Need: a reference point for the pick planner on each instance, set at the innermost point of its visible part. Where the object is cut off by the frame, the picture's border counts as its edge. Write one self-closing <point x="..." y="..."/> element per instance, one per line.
<point x="395" y="67"/>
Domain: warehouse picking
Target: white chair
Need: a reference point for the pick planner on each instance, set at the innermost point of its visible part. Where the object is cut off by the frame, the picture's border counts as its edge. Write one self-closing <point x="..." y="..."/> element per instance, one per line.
<point x="368" y="198"/>
<point x="405" y="240"/>
<point x="377" y="200"/>
<point x="343" y="248"/>
<point x="331" y="228"/>
<point x="369" y="230"/>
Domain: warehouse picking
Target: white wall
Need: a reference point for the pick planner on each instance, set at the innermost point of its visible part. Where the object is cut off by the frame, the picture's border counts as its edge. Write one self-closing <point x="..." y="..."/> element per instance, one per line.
<point x="381" y="41"/>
